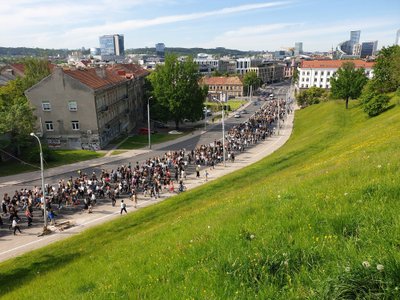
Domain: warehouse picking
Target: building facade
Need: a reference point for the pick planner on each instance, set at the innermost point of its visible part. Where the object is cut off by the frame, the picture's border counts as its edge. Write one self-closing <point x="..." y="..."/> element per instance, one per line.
<point x="231" y="86"/>
<point x="112" y="46"/>
<point x="87" y="108"/>
<point x="270" y="72"/>
<point x="160" y="49"/>
<point x="368" y="49"/>
<point x="298" y="48"/>
<point x="318" y="73"/>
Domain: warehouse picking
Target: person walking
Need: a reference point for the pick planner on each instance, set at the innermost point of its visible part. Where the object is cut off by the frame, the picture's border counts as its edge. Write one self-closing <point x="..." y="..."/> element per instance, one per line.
<point x="15" y="225"/>
<point x="29" y="216"/>
<point x="198" y="171"/>
<point x="123" y="207"/>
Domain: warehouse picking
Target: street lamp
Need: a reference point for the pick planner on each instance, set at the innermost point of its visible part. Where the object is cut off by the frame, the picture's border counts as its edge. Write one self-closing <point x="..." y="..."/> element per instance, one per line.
<point x="223" y="130"/>
<point x="43" y="190"/>
<point x="148" y="120"/>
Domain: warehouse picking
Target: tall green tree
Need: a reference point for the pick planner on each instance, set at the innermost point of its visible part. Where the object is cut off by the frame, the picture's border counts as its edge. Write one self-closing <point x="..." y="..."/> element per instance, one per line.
<point x="16" y="114"/>
<point x="176" y="89"/>
<point x="387" y="70"/>
<point x="251" y="79"/>
<point x="348" y="82"/>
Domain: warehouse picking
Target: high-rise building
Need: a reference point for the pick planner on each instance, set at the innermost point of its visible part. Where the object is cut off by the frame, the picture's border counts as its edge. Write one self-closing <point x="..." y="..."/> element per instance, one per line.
<point x="345" y="49"/>
<point x="368" y="48"/>
<point x="112" y="46"/>
<point x="298" y="48"/>
<point x="160" y="49"/>
<point x="355" y="37"/>
<point x="398" y="37"/>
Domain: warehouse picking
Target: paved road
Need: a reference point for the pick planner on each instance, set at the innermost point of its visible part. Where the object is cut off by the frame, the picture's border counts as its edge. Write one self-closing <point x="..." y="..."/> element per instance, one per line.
<point x="28" y="180"/>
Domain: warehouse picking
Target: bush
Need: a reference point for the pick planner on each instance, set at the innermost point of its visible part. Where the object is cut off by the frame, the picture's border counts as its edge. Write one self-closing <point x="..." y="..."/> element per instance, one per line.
<point x="376" y="105"/>
<point x="313" y="95"/>
<point x="32" y="154"/>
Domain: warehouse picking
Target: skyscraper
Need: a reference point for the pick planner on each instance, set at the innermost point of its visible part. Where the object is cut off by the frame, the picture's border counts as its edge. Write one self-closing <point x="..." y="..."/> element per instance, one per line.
<point x="368" y="48"/>
<point x="160" y="49"/>
<point x="298" y="48"/>
<point x="112" y="46"/>
<point x="355" y="37"/>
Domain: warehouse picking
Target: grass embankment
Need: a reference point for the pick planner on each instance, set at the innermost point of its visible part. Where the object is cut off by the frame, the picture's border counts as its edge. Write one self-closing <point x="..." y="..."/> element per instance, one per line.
<point x="140" y="141"/>
<point x="298" y="224"/>
<point x="59" y="157"/>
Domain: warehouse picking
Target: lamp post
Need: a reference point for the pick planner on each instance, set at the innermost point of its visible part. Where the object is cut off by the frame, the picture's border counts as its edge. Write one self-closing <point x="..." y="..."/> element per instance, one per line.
<point x="148" y="120"/>
<point x="223" y="130"/>
<point x="42" y="175"/>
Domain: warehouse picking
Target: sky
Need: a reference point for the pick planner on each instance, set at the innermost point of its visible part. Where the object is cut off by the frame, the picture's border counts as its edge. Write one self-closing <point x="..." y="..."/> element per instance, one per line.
<point x="234" y="24"/>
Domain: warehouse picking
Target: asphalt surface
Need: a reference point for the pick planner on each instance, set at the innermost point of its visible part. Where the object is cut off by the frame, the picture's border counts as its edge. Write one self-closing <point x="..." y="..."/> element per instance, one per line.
<point x="52" y="176"/>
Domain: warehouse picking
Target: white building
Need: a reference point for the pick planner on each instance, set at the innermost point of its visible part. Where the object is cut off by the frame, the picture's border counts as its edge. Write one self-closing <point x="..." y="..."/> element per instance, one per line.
<point x="208" y="64"/>
<point x="244" y="65"/>
<point x="319" y="72"/>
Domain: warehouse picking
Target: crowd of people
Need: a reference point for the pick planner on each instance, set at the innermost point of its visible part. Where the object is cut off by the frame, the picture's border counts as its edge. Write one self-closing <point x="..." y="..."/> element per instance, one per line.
<point x="149" y="178"/>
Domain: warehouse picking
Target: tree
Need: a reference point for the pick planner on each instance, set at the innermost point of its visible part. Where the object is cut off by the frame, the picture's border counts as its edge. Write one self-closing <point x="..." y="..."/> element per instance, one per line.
<point x="313" y="95"/>
<point x="15" y="111"/>
<point x="251" y="79"/>
<point x="176" y="89"/>
<point x="372" y="101"/>
<point x="386" y="70"/>
<point x="348" y="82"/>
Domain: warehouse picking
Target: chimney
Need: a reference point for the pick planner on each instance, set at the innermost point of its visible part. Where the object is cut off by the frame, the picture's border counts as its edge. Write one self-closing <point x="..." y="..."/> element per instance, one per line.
<point x="101" y="72"/>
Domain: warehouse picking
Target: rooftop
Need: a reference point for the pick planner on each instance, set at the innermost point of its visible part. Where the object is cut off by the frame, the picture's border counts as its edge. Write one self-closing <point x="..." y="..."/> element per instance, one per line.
<point x="335" y="64"/>
<point x="222" y="80"/>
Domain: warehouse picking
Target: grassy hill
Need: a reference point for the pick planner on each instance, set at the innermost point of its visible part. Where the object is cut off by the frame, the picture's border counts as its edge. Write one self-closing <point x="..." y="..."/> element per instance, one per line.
<point x="318" y="219"/>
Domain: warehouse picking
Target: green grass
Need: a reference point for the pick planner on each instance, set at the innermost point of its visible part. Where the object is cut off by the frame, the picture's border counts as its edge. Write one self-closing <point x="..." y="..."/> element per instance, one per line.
<point x="297" y="225"/>
<point x="117" y="152"/>
<point x="59" y="157"/>
<point x="140" y="141"/>
<point x="234" y="105"/>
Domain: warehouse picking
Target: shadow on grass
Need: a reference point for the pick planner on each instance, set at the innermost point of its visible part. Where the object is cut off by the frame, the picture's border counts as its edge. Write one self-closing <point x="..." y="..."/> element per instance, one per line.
<point x="10" y="280"/>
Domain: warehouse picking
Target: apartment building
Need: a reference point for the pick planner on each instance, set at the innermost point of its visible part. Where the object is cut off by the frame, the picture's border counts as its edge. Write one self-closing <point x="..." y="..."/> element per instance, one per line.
<point x="319" y="72"/>
<point x="86" y="108"/>
<point x="232" y="86"/>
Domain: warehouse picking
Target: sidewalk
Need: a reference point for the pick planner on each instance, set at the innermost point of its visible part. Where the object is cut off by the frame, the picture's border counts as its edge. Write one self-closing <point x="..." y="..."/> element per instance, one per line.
<point x="12" y="246"/>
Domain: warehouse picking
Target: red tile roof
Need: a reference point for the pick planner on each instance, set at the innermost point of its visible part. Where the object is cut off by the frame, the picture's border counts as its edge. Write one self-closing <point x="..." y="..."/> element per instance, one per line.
<point x="222" y="80"/>
<point x="332" y="64"/>
<point x="98" y="78"/>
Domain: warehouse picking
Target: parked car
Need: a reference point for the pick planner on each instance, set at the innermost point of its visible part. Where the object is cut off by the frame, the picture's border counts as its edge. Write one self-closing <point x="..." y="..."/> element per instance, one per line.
<point x="243" y="112"/>
<point x="158" y="124"/>
<point x="236" y="116"/>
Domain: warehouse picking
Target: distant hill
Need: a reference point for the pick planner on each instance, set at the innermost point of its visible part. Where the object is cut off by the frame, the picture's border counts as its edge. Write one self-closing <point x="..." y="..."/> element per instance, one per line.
<point x="219" y="51"/>
<point x="40" y="52"/>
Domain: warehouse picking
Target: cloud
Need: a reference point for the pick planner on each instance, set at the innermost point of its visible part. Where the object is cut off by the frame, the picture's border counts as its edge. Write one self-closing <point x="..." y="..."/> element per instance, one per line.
<point x="314" y="36"/>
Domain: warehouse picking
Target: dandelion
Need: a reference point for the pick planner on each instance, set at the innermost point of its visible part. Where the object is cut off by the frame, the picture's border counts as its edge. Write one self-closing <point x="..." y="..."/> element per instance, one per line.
<point x="279" y="196"/>
<point x="208" y="226"/>
<point x="345" y="194"/>
<point x="380" y="267"/>
<point x="252" y="236"/>
<point x="379" y="166"/>
<point x="366" y="264"/>
<point x="347" y="269"/>
<point x="191" y="241"/>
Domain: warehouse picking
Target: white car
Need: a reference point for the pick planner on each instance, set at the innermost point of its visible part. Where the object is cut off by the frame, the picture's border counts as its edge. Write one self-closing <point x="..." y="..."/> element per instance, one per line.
<point x="236" y="116"/>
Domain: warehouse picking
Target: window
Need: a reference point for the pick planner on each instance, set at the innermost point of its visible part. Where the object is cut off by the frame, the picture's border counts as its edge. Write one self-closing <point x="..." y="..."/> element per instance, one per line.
<point x="328" y="73"/>
<point x="316" y="73"/>
<point x="75" y="125"/>
<point x="72" y="106"/>
<point x="46" y="106"/>
<point x="315" y="79"/>
<point x="49" y="125"/>
<point x="322" y="73"/>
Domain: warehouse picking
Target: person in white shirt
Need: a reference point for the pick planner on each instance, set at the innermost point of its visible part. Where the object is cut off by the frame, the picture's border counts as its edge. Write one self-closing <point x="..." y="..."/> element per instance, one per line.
<point x="123" y="207"/>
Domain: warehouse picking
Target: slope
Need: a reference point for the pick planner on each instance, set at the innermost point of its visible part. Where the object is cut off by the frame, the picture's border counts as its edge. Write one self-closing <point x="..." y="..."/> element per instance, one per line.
<point x="317" y="219"/>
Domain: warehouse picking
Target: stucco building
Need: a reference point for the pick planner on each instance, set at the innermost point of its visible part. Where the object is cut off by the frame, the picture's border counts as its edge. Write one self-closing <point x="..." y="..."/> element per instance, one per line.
<point x="231" y="86"/>
<point x="319" y="72"/>
<point x="86" y="108"/>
